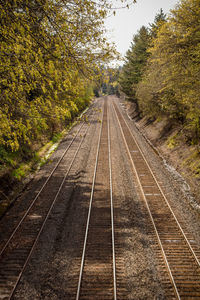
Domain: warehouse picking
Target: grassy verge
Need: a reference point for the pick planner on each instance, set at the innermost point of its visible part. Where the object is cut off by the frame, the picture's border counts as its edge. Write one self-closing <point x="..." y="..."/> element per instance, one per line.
<point x="18" y="168"/>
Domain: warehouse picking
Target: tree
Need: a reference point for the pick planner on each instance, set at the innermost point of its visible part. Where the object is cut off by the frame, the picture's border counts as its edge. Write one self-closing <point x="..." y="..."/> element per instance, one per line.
<point x="159" y="19"/>
<point x="175" y="57"/>
<point x="135" y="62"/>
<point x="50" y="53"/>
<point x="109" y="84"/>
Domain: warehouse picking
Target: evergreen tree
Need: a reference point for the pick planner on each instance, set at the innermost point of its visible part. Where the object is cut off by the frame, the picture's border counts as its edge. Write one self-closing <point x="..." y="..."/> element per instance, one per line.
<point x="159" y="19"/>
<point x="170" y="84"/>
<point x="135" y="62"/>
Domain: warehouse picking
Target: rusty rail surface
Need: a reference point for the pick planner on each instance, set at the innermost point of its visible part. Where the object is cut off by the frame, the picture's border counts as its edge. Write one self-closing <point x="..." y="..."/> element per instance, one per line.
<point x="179" y="252"/>
<point x="97" y="279"/>
<point x="19" y="247"/>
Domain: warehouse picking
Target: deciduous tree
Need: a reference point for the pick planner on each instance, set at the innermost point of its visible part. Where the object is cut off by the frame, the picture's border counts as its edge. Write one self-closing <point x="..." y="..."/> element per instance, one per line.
<point x="50" y="52"/>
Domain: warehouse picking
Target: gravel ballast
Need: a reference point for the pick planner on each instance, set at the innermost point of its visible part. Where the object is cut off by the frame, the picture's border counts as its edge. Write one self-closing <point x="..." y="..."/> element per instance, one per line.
<point x="54" y="266"/>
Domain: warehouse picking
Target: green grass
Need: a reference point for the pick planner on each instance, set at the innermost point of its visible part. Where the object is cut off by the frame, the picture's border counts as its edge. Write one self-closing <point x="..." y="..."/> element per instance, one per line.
<point x="56" y="137"/>
<point x="7" y="158"/>
<point x="21" y="171"/>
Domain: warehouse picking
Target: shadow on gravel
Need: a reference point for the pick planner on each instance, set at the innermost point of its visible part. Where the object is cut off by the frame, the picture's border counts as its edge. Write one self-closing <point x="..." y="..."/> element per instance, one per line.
<point x="54" y="268"/>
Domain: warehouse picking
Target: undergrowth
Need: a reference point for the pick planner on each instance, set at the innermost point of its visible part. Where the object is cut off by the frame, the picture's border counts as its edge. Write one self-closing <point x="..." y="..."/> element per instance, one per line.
<point x="172" y="141"/>
<point x="193" y="162"/>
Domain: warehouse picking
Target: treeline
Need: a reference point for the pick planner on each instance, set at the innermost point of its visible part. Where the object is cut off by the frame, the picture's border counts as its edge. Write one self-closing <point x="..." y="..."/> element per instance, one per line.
<point x="161" y="73"/>
<point x="109" y="84"/>
<point x="51" y="53"/>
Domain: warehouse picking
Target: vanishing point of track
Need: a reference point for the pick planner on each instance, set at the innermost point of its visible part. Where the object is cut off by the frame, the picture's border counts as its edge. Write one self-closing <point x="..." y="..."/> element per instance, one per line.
<point x="177" y="252"/>
<point x="97" y="278"/>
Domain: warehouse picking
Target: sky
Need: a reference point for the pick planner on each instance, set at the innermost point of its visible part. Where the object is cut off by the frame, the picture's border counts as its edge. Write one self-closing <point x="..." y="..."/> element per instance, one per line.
<point x="127" y="22"/>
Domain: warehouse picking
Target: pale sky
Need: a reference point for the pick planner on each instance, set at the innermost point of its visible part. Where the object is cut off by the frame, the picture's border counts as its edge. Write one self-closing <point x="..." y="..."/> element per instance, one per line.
<point x="127" y="22"/>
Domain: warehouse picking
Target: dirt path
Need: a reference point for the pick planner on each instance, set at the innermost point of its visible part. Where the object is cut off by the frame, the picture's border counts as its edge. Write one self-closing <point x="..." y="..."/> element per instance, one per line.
<point x="53" y="270"/>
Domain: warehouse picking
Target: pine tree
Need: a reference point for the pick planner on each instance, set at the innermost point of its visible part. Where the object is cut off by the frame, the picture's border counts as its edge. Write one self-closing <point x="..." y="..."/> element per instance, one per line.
<point x="135" y="62"/>
<point x="159" y="19"/>
<point x="170" y="84"/>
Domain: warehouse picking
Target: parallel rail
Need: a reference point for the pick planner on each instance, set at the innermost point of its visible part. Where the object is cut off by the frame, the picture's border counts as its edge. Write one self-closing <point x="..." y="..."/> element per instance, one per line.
<point x="112" y="213"/>
<point x="97" y="278"/>
<point x="178" y="254"/>
<point x="18" y="249"/>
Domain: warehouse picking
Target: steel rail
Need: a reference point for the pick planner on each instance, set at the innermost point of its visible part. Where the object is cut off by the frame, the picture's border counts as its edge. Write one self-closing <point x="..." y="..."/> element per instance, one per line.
<point x="165" y="198"/>
<point x="38" y="194"/>
<point x="148" y="209"/>
<point x="89" y="211"/>
<point x="47" y="215"/>
<point x="112" y="212"/>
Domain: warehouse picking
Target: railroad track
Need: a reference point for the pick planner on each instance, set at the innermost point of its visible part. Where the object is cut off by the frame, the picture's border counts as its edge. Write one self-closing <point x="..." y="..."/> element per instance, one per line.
<point x="17" y="250"/>
<point x="97" y="278"/>
<point x="178" y="253"/>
